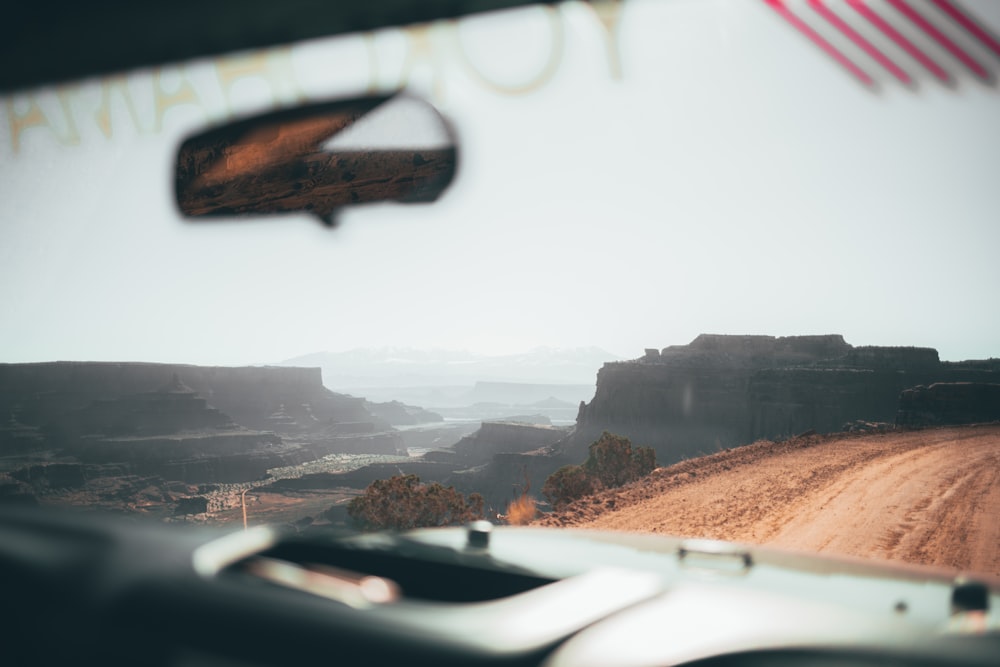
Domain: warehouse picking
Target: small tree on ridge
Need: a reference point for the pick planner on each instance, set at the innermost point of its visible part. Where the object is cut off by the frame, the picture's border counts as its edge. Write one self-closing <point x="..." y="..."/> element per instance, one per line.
<point x="403" y="502"/>
<point x="611" y="462"/>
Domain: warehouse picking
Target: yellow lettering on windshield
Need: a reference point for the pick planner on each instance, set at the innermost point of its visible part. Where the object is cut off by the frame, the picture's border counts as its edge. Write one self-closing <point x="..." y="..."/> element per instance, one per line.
<point x="431" y="51"/>
<point x="103" y="113"/>
<point x="609" y="13"/>
<point x="34" y="116"/>
<point x="420" y="50"/>
<point x="71" y="136"/>
<point x="273" y="67"/>
<point x="546" y="73"/>
<point x="162" y="100"/>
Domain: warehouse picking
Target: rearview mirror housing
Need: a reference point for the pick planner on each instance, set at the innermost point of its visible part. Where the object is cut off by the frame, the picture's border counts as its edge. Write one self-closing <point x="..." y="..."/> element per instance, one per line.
<point x="318" y="158"/>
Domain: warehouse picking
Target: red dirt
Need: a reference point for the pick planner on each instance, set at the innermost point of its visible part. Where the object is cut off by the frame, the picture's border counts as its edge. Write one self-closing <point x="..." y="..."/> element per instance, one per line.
<point x="929" y="497"/>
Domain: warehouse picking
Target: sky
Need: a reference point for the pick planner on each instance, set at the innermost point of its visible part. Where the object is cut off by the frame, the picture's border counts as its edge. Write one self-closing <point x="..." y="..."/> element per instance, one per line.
<point x="687" y="167"/>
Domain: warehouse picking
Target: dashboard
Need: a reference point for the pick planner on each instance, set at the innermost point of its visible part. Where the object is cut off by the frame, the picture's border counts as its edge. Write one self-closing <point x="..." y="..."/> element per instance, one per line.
<point x="88" y="588"/>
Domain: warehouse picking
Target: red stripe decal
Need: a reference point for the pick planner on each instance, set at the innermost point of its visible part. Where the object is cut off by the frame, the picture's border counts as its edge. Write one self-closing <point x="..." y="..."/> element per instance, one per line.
<point x="860" y="41"/>
<point x="905" y="44"/>
<point x="925" y="25"/>
<point x="817" y="39"/>
<point x="964" y="20"/>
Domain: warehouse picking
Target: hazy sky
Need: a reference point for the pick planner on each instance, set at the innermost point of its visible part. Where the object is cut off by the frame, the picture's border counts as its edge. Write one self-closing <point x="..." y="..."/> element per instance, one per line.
<point x="734" y="179"/>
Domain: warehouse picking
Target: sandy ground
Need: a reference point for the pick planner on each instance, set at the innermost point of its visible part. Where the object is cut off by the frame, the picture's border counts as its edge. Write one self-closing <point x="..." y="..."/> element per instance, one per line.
<point x="928" y="497"/>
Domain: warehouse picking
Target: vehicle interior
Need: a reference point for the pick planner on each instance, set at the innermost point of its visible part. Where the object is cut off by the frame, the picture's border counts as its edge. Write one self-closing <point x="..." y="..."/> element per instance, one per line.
<point x="371" y="159"/>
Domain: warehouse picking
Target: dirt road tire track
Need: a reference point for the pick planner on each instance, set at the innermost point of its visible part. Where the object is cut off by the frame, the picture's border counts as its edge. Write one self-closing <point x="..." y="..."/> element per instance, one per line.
<point x="929" y="497"/>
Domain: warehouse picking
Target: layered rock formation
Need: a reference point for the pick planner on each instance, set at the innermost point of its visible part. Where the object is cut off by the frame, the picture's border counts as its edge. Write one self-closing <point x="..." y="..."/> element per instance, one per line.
<point x="949" y="403"/>
<point x="498" y="461"/>
<point x="503" y="459"/>
<point x="505" y="437"/>
<point x="14" y="492"/>
<point x="400" y="414"/>
<point x="508" y="475"/>
<point x="48" y="392"/>
<point x="720" y="391"/>
<point x="18" y="438"/>
<point x="178" y="422"/>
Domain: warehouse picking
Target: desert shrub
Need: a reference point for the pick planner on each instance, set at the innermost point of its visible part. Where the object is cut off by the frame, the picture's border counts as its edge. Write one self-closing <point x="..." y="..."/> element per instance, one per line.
<point x="521" y="511"/>
<point x="403" y="502"/>
<point x="611" y="462"/>
<point x="567" y="484"/>
<point x="643" y="461"/>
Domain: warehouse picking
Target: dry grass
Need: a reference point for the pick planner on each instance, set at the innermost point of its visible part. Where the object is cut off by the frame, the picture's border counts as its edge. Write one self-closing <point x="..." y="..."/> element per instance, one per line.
<point x="521" y="511"/>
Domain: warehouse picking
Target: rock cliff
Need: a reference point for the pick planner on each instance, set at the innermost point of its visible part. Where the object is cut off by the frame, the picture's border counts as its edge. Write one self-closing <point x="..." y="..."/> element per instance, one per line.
<point x="508" y="475"/>
<point x="949" y="403"/>
<point x="503" y="437"/>
<point x="46" y="392"/>
<point x="400" y="414"/>
<point x="720" y="391"/>
<point x="187" y="423"/>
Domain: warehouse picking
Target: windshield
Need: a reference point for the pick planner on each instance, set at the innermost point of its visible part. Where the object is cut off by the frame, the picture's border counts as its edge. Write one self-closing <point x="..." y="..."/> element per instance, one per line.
<point x="728" y="232"/>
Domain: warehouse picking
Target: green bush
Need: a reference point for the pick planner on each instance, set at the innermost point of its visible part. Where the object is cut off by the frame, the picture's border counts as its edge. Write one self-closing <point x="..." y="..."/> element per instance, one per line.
<point x="567" y="484"/>
<point x="403" y="502"/>
<point x="611" y="462"/>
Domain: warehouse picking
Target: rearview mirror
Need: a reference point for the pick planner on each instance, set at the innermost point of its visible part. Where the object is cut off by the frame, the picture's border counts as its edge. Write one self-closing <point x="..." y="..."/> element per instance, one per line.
<point x="319" y="158"/>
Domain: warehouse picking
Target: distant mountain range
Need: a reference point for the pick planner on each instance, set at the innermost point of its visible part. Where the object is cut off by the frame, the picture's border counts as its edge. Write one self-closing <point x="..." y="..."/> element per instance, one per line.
<point x="381" y="368"/>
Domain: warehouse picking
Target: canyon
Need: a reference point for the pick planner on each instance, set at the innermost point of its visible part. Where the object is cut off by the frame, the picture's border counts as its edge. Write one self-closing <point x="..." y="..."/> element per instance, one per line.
<point x="154" y="436"/>
<point x="174" y="440"/>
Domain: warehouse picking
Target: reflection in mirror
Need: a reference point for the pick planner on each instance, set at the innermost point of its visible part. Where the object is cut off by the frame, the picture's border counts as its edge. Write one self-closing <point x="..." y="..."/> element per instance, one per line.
<point x="319" y="159"/>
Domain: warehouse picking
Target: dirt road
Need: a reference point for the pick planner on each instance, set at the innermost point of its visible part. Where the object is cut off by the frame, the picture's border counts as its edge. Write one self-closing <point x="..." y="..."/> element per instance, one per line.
<point x="929" y="497"/>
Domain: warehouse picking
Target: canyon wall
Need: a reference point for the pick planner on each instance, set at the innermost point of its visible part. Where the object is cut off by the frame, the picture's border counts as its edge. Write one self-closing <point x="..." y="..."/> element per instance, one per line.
<point x="721" y="391"/>
<point x="503" y="437"/>
<point x="188" y="423"/>
<point x="249" y="395"/>
<point x="946" y="403"/>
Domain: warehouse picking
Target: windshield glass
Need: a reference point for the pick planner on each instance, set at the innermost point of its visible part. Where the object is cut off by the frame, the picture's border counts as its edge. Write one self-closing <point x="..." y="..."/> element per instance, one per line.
<point x="692" y="226"/>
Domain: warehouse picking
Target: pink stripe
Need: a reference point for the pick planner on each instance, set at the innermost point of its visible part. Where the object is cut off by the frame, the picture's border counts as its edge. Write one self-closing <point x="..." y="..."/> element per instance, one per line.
<point x="904" y="43"/>
<point x="817" y="39"/>
<point x="939" y="37"/>
<point x="853" y="35"/>
<point x="969" y="24"/>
